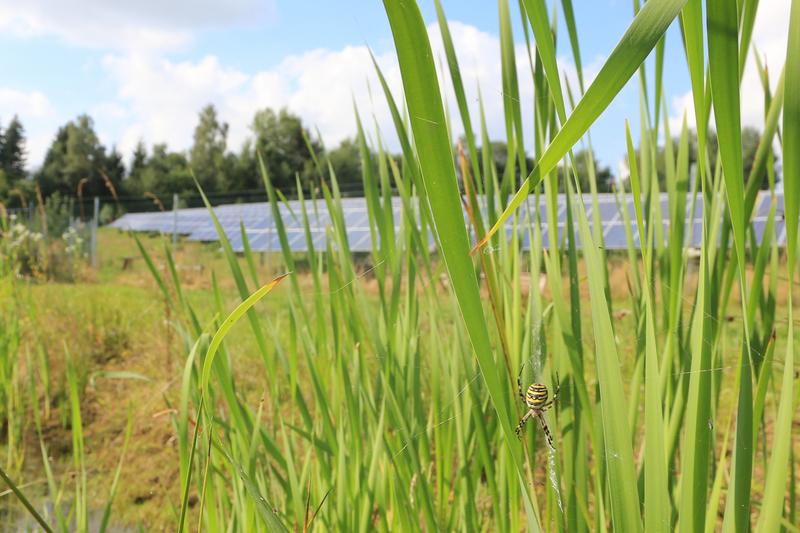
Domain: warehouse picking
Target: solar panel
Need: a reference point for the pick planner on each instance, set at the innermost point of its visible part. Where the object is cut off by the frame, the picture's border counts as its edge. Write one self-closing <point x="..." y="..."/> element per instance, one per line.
<point x="780" y="231"/>
<point x="257" y="219"/>
<point x="615" y="238"/>
<point x="266" y="241"/>
<point x="608" y="210"/>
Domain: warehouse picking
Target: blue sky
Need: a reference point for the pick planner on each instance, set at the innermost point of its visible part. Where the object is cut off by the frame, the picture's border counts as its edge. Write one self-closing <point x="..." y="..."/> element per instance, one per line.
<point x="143" y="69"/>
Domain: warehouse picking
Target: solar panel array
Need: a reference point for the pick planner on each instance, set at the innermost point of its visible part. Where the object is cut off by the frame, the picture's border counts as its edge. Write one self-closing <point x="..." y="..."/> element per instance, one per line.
<point x="256" y="218"/>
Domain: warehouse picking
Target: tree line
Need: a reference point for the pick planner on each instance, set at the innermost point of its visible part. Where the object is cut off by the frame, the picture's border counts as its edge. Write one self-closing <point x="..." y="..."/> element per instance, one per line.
<point x="77" y="164"/>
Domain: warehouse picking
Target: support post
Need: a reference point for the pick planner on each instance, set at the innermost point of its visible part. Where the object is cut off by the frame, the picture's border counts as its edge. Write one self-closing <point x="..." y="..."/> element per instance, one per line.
<point x="174" y="220"/>
<point x="95" y="222"/>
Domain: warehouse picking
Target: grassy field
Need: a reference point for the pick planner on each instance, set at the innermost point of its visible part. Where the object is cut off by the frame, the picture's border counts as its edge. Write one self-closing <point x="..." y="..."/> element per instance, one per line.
<point x="198" y="389"/>
<point x="117" y="322"/>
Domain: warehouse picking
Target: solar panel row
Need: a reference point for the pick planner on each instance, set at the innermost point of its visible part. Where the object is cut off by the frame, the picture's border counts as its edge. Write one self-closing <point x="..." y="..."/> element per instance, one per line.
<point x="259" y="225"/>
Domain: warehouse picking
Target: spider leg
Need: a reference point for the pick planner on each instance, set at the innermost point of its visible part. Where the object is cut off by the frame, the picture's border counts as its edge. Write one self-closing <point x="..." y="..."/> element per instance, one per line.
<point x="546" y="430"/>
<point x="522" y="422"/>
<point x="550" y="403"/>
<point x="519" y="383"/>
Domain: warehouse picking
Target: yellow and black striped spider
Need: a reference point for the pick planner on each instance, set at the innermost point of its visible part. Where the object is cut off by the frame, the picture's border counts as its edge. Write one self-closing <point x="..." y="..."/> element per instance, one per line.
<point x="535" y="401"/>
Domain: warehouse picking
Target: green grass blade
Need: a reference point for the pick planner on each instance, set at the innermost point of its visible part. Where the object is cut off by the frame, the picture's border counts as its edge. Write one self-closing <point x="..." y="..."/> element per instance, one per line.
<point x="438" y="175"/>
<point x="248" y="255"/>
<point x="764" y="148"/>
<point x="716" y="489"/>
<point x="152" y="268"/>
<point x="569" y="19"/>
<point x="619" y="464"/>
<point x="723" y="54"/>
<point x="458" y="88"/>
<point x="236" y="272"/>
<point x="724" y="72"/>
<point x="112" y="492"/>
<point x="772" y="504"/>
<point x="791" y="137"/>
<point x="24" y="501"/>
<point x="511" y="102"/>
<point x="187" y="462"/>
<point x="537" y="13"/>
<point x="656" y="511"/>
<point x="225" y="327"/>
<point x="411" y="163"/>
<point x="265" y="511"/>
<point x="692" y="29"/>
<point x="80" y="505"/>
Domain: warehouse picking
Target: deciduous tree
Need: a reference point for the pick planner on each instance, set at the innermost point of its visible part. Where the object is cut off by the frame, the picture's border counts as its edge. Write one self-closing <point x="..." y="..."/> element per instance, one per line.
<point x="207" y="156"/>
<point x="77" y="153"/>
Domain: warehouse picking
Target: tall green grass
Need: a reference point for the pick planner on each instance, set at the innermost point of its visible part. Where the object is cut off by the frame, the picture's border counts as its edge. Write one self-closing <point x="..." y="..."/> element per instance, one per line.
<point x="389" y="391"/>
<point x="12" y="388"/>
<point x="393" y="408"/>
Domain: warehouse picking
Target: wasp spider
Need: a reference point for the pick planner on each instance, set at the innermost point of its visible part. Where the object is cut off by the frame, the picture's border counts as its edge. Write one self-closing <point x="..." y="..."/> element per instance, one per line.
<point x="535" y="401"/>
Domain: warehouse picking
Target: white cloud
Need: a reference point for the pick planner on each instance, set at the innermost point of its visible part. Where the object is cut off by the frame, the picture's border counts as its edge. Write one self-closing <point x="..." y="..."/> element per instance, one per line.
<point x="109" y="111"/>
<point x="770" y="36"/>
<point x="682" y="106"/>
<point x="163" y="97"/>
<point x="33" y="104"/>
<point x="157" y="99"/>
<point x="127" y="24"/>
<point x="36" y="114"/>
